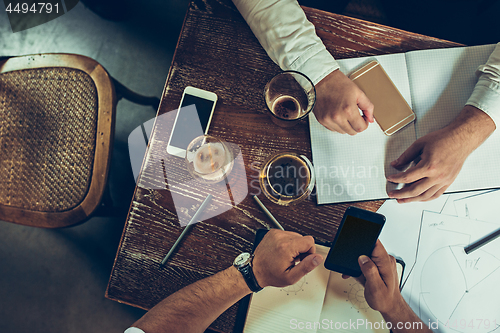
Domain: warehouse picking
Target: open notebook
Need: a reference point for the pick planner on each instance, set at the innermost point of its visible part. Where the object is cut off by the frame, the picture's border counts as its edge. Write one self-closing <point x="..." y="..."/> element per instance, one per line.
<point x="436" y="84"/>
<point x="321" y="301"/>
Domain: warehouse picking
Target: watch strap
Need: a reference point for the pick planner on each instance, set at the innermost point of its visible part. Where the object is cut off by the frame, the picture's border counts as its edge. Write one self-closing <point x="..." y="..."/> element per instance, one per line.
<point x="249" y="277"/>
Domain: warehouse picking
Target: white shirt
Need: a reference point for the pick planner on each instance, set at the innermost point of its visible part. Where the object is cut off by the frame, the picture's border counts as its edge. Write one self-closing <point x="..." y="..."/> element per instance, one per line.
<point x="290" y="40"/>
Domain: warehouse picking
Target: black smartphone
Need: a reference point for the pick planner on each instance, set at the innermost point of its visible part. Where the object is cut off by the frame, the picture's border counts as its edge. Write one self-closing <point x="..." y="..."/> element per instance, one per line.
<point x="357" y="234"/>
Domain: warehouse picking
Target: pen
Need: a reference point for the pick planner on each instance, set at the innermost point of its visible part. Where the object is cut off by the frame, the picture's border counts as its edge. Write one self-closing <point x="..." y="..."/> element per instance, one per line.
<point x="186" y="229"/>
<point x="268" y="213"/>
<point x="483" y="241"/>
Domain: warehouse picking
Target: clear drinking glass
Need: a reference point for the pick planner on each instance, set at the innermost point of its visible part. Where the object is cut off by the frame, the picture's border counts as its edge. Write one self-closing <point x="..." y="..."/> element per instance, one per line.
<point x="287" y="178"/>
<point x="209" y="159"/>
<point x="290" y="96"/>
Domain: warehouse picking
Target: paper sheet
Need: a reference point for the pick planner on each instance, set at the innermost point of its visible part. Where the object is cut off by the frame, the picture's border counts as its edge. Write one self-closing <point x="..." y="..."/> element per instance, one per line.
<point x="449" y="206"/>
<point x="401" y="229"/>
<point x="441" y="82"/>
<point x="345" y="308"/>
<point x="479" y="207"/>
<point x="277" y="309"/>
<point x="445" y="285"/>
<point x="353" y="168"/>
<point x="453" y="288"/>
<point x="322" y="300"/>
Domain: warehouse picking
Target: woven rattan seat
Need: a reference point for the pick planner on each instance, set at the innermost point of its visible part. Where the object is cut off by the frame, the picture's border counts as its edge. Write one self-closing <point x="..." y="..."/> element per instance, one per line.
<point x="47" y="134"/>
<point x="56" y="130"/>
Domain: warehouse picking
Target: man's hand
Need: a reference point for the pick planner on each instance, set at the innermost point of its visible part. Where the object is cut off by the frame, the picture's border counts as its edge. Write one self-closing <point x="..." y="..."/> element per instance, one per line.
<point x="337" y="102"/>
<point x="283" y="258"/>
<point x="381" y="283"/>
<point x="381" y="280"/>
<point x="439" y="156"/>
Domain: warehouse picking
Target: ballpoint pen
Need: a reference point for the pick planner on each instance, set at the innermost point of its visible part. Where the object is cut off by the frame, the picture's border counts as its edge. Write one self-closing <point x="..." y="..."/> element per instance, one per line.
<point x="268" y="213"/>
<point x="186" y="229"/>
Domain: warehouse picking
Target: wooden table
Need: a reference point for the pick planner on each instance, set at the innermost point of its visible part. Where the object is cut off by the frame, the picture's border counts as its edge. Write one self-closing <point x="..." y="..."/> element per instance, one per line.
<point x="218" y="52"/>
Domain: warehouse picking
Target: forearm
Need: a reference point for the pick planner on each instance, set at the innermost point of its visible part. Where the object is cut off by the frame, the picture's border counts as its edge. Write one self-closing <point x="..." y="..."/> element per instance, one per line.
<point x="195" y="307"/>
<point x="289" y="39"/>
<point x="404" y="320"/>
<point x="471" y="128"/>
<point x="486" y="94"/>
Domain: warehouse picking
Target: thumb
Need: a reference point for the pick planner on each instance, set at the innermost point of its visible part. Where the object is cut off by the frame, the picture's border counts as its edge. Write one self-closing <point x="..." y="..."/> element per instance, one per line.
<point x="409" y="155"/>
<point x="305" y="266"/>
<point x="366" y="106"/>
<point x="371" y="273"/>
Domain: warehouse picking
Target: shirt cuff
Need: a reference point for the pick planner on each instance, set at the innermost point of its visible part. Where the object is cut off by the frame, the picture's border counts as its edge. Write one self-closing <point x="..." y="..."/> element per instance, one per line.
<point x="316" y="63"/>
<point x="486" y="97"/>
<point x="133" y="330"/>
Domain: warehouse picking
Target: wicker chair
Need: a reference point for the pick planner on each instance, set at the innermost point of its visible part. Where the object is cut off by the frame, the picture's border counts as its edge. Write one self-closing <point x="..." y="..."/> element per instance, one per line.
<point x="57" y="118"/>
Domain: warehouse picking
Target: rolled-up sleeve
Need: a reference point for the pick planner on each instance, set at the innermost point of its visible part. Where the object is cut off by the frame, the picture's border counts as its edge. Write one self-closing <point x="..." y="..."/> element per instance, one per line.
<point x="289" y="39"/>
<point x="486" y="94"/>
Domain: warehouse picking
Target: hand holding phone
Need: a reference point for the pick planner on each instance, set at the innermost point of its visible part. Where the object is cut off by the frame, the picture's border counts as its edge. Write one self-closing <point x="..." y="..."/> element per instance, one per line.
<point x="391" y="111"/>
<point x="382" y="273"/>
<point x="356" y="236"/>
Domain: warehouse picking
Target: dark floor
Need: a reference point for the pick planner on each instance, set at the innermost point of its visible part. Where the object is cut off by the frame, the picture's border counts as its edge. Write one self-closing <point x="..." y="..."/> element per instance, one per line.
<point x="54" y="280"/>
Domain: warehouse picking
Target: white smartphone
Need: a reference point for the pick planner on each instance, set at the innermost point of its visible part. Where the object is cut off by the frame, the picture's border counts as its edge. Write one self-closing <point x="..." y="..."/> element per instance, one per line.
<point x="192" y="120"/>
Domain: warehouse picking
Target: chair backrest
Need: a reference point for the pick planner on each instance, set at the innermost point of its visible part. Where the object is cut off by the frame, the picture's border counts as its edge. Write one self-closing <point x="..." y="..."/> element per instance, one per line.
<point x="57" y="116"/>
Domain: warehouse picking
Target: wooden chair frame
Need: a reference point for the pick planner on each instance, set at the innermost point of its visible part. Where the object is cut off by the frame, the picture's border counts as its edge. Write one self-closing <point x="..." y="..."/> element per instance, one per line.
<point x="104" y="141"/>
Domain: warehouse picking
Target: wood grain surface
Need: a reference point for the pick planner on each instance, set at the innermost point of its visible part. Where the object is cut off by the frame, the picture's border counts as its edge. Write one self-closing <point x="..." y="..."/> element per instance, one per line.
<point x="218" y="52"/>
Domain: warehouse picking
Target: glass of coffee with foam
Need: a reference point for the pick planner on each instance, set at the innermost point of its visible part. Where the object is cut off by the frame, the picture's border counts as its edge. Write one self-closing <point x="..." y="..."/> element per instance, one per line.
<point x="290" y="96"/>
<point x="287" y="178"/>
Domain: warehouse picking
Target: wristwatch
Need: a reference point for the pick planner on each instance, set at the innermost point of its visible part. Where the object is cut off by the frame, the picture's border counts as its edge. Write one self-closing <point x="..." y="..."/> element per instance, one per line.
<point x="243" y="263"/>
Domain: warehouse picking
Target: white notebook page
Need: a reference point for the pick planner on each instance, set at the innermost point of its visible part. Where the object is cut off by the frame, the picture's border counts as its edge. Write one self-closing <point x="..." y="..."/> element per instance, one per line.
<point x="441" y="82"/>
<point x="277" y="309"/>
<point x="353" y="168"/>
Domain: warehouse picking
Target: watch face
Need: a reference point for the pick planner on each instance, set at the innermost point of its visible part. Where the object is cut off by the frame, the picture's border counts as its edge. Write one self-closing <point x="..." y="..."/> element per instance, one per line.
<point x="241" y="259"/>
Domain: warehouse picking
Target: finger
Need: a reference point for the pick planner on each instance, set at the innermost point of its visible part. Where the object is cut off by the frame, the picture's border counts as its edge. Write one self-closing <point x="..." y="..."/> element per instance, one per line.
<point x="410" y="176"/>
<point x="305" y="266"/>
<point x="358" y="123"/>
<point x="412" y="191"/>
<point x="382" y="260"/>
<point x="371" y="273"/>
<point x="361" y="279"/>
<point x="409" y="155"/>
<point x="366" y="106"/>
<point x="438" y="193"/>
<point x="331" y="125"/>
<point x="346" y="126"/>
<point x="336" y="128"/>
<point x="424" y="196"/>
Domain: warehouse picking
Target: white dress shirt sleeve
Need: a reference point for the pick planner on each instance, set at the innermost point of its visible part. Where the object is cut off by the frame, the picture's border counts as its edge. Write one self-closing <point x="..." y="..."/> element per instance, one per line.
<point x="133" y="330"/>
<point x="288" y="37"/>
<point x="486" y="94"/>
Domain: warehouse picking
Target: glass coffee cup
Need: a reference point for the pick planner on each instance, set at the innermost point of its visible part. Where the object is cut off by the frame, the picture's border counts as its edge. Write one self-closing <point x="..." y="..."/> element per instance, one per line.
<point x="287" y="178"/>
<point x="209" y="159"/>
<point x="290" y="96"/>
